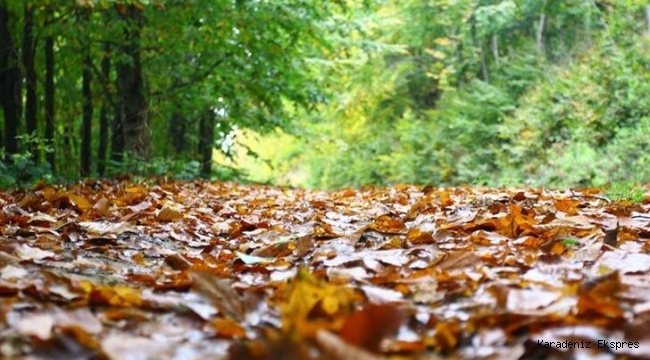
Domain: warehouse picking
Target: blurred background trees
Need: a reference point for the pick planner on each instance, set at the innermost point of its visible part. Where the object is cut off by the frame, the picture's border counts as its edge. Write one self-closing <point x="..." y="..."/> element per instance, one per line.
<point x="327" y="94"/>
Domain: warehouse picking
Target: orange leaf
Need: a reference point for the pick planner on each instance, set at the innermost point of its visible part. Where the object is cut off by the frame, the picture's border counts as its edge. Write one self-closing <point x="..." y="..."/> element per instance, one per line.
<point x="388" y="224"/>
<point x="417" y="236"/>
<point x="80" y="202"/>
<point x="227" y="328"/>
<point x="368" y="327"/>
<point x="168" y="214"/>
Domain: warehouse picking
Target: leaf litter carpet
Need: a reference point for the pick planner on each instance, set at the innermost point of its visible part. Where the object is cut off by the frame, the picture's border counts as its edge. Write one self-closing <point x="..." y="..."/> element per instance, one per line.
<point x="196" y="270"/>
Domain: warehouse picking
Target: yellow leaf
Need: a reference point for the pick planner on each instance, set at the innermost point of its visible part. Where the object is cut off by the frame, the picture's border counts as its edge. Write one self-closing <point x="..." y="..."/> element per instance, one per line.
<point x="122" y="296"/>
<point x="169" y="214"/>
<point x="81" y="202"/>
<point x="309" y="297"/>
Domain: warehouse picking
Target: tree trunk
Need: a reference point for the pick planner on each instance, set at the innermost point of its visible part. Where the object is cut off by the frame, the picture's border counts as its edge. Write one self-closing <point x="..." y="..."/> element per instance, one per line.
<point x="484" y="67"/>
<point x="494" y="45"/>
<point x="206" y="141"/>
<point x="49" y="100"/>
<point x="133" y="105"/>
<point x="86" y="124"/>
<point x="176" y="132"/>
<point x="117" y="136"/>
<point x="30" y="79"/>
<point x="540" y="34"/>
<point x="10" y="83"/>
<point x="102" y="150"/>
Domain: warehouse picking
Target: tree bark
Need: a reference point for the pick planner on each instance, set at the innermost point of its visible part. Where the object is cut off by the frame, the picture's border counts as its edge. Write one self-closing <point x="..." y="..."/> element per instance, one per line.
<point x="133" y="105"/>
<point x="30" y="79"/>
<point x="206" y="141"/>
<point x="102" y="150"/>
<point x="540" y="34"/>
<point x="49" y="100"/>
<point x="86" y="124"/>
<point x="10" y="83"/>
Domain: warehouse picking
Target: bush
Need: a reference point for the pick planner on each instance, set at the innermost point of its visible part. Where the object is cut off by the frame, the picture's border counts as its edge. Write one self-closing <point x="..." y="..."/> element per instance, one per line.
<point x="586" y="124"/>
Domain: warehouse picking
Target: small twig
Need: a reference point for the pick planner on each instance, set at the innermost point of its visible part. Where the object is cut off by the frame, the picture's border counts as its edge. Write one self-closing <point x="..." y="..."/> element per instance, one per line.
<point x="603" y="198"/>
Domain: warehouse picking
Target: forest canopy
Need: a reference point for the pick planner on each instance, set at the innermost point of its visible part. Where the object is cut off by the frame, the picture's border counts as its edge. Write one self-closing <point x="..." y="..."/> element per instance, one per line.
<point x="327" y="94"/>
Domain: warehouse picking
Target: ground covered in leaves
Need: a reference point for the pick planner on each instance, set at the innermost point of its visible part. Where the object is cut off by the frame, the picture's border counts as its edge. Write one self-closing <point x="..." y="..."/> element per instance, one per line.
<point x="209" y="271"/>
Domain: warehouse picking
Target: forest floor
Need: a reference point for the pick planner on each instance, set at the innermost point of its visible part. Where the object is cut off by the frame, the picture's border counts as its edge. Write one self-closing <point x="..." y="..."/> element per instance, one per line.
<point x="194" y="270"/>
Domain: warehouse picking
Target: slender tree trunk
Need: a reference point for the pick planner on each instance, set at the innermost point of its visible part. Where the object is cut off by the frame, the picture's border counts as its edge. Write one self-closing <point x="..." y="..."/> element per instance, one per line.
<point x="117" y="131"/>
<point x="10" y="83"/>
<point x="176" y="132"/>
<point x="495" y="48"/>
<point x="484" y="67"/>
<point x="647" y="18"/>
<point x="102" y="150"/>
<point x="460" y="73"/>
<point x="130" y="86"/>
<point x="86" y="124"/>
<point x="69" y="145"/>
<point x="30" y="78"/>
<point x="540" y="34"/>
<point x="206" y="141"/>
<point x="117" y="136"/>
<point x="49" y="99"/>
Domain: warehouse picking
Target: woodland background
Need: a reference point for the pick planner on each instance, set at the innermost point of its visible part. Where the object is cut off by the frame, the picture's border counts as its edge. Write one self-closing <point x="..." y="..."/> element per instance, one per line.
<point x="327" y="94"/>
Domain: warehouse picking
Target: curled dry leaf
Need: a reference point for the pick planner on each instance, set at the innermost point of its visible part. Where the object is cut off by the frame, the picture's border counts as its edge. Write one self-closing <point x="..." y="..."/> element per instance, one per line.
<point x="102" y="206"/>
<point x="221" y="293"/>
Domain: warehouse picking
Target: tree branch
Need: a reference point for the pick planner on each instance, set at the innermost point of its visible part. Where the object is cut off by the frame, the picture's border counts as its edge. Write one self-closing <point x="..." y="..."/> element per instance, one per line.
<point x="192" y="79"/>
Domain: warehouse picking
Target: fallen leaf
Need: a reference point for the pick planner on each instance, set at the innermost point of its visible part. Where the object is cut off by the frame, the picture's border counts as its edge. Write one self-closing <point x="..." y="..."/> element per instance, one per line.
<point x="336" y="348"/>
<point x="368" y="327"/>
<point x="169" y="214"/>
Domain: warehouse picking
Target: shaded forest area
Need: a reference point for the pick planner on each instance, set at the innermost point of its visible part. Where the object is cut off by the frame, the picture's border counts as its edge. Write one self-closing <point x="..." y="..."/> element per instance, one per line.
<point x="327" y="94"/>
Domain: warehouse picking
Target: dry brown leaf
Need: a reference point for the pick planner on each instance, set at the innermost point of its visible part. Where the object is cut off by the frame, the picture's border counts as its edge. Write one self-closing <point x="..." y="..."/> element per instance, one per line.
<point x="169" y="214"/>
<point x="221" y="294"/>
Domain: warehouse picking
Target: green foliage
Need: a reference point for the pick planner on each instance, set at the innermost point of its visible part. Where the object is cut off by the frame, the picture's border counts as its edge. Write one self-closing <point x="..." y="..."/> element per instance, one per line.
<point x="626" y="191"/>
<point x="22" y="169"/>
<point x="491" y="19"/>
<point x="168" y="167"/>
<point x="468" y="92"/>
<point x="586" y="124"/>
<point x="570" y="242"/>
<point x="250" y="61"/>
<point x="495" y="92"/>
